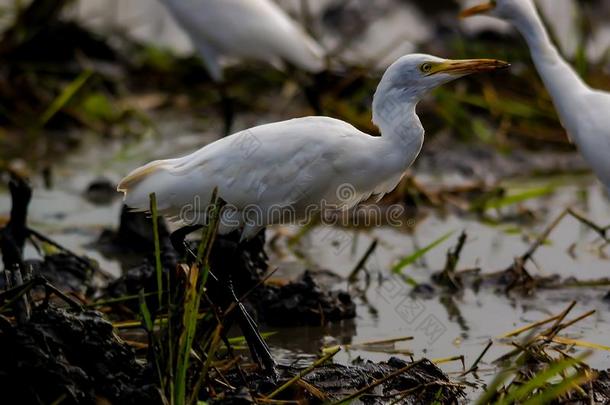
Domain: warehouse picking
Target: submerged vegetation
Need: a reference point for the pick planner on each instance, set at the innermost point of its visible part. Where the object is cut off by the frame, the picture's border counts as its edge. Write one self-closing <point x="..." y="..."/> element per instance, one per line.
<point x="162" y="330"/>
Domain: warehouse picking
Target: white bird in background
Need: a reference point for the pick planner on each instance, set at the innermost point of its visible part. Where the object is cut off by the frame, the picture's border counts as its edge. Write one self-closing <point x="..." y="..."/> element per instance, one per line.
<point x="584" y="112"/>
<point x="246" y="29"/>
<point x="301" y="163"/>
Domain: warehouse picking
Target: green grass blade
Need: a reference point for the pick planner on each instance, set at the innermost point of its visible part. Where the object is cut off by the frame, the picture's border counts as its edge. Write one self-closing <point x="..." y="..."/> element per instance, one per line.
<point x="550" y="394"/>
<point x="212" y="348"/>
<point x="158" y="266"/>
<point x="538" y="382"/>
<point x="517" y="198"/>
<point x="198" y="277"/>
<point x="146" y="318"/>
<point x="149" y="325"/>
<point x="64" y="97"/>
<point x="412" y="258"/>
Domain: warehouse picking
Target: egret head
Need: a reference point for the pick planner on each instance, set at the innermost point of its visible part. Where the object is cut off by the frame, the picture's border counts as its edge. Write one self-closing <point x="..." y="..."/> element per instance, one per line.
<point x="411" y="77"/>
<point x="510" y="10"/>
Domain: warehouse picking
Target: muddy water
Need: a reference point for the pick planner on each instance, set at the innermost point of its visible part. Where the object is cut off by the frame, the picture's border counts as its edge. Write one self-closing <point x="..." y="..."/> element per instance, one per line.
<point x="442" y="325"/>
<point x="451" y="324"/>
<point x="445" y="324"/>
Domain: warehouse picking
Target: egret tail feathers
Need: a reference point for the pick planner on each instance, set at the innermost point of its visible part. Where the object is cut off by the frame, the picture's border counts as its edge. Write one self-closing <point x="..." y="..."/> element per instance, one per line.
<point x="139" y="174"/>
<point x="155" y="177"/>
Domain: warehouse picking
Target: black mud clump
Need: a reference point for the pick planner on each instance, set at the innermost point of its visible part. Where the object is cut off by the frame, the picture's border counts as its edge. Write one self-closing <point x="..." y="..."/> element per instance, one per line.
<point x="65" y="271"/>
<point x="101" y="191"/>
<point x="427" y="382"/>
<point x="423" y="383"/>
<point x="135" y="236"/>
<point x="137" y="278"/>
<point x="72" y="356"/>
<point x="133" y="244"/>
<point x="302" y="302"/>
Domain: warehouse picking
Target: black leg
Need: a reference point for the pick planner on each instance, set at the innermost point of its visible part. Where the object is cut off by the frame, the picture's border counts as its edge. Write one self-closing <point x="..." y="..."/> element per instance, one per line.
<point x="177" y="238"/>
<point x="258" y="347"/>
<point x="228" y="110"/>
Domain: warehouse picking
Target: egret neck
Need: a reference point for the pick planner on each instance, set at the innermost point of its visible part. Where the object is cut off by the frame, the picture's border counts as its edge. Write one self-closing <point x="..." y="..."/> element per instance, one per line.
<point x="394" y="113"/>
<point x="562" y="82"/>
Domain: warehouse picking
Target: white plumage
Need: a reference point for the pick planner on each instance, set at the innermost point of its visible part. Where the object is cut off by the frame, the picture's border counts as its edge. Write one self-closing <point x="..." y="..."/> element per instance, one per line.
<point x="249" y="29"/>
<point x="584" y="112"/>
<point x="294" y="166"/>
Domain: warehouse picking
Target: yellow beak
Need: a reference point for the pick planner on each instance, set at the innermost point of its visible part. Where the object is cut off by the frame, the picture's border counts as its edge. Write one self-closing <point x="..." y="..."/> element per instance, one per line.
<point x="480" y="9"/>
<point x="469" y="66"/>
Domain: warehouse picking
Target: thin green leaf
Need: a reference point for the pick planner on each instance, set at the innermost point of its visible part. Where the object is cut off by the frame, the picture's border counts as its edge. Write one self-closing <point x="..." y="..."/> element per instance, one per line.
<point x="147" y="321"/>
<point x="538" y="382"/>
<point x="549" y="394"/>
<point x="517" y="198"/>
<point x="412" y="258"/>
<point x="198" y="276"/>
<point x="64" y="97"/>
<point x="158" y="266"/>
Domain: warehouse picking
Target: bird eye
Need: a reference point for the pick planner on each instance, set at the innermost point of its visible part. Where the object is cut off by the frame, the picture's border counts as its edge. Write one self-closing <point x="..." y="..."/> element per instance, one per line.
<point x="426" y="67"/>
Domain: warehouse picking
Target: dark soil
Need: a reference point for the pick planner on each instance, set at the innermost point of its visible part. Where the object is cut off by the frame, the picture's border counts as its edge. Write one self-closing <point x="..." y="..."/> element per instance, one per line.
<point x="302" y="302"/>
<point x="71" y="355"/>
<point x="425" y="379"/>
<point x="426" y="384"/>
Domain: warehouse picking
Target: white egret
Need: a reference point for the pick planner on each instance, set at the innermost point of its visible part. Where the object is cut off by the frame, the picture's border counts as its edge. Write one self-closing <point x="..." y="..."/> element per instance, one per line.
<point x="584" y="112"/>
<point x="294" y="166"/>
<point x="302" y="162"/>
<point x="245" y="29"/>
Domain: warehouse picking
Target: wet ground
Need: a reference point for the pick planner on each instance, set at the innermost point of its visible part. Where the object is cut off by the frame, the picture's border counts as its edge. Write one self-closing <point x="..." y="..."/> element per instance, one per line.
<point x="442" y="324"/>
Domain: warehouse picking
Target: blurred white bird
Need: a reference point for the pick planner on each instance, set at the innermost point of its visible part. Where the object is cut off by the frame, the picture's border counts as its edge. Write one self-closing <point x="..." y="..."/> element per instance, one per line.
<point x="302" y="163"/>
<point x="584" y="112"/>
<point x="248" y="29"/>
